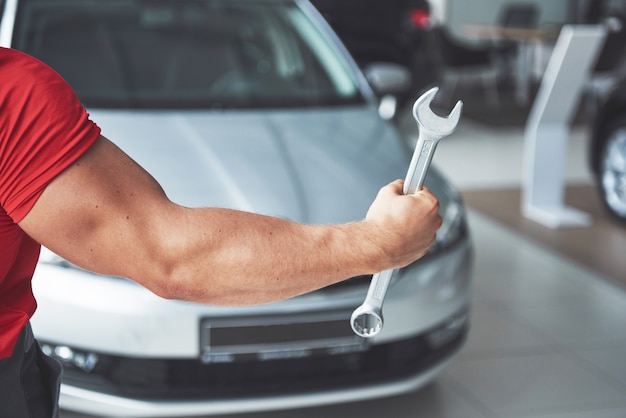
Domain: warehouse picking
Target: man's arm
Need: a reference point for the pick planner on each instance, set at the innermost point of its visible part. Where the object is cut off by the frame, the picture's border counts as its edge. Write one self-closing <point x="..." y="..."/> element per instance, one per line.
<point x="108" y="215"/>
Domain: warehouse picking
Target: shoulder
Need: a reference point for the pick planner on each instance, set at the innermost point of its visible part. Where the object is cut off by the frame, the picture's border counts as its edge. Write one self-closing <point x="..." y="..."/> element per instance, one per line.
<point x="16" y="66"/>
<point x="34" y="93"/>
<point x="43" y="129"/>
<point x="25" y="77"/>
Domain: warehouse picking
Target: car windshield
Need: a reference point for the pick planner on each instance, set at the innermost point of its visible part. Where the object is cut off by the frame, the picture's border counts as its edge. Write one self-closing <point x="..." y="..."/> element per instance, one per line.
<point x="186" y="54"/>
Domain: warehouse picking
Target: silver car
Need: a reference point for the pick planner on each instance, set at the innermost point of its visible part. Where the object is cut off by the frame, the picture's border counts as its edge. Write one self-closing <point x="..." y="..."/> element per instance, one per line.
<point x="253" y="105"/>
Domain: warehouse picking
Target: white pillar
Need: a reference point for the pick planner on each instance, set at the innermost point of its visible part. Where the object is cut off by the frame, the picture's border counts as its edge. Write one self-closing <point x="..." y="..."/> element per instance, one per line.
<point x="547" y="128"/>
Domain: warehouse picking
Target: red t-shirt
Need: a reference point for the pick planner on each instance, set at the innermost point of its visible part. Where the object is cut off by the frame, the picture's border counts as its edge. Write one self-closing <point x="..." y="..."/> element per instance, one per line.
<point x="43" y="129"/>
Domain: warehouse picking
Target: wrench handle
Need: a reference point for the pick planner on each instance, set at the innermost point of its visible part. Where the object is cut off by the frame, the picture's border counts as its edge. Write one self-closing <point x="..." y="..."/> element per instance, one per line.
<point x="422" y="157"/>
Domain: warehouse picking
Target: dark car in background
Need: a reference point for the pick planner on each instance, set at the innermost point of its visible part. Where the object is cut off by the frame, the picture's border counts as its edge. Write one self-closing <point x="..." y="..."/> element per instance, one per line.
<point x="608" y="152"/>
<point x="395" y="31"/>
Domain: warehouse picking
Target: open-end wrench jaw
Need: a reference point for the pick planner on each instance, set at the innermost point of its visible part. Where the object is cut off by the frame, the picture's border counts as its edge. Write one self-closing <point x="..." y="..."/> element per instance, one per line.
<point x="432" y="128"/>
<point x="429" y="121"/>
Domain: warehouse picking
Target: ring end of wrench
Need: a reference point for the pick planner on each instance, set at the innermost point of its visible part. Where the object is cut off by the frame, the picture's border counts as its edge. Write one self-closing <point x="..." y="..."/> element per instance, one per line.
<point x="366" y="322"/>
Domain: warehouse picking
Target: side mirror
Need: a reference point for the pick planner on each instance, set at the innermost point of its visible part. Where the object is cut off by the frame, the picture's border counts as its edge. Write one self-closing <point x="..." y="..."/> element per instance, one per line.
<point x="387" y="80"/>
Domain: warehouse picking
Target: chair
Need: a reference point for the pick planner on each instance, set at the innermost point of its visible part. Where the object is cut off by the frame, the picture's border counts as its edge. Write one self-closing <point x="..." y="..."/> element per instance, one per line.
<point x="520" y="15"/>
<point x="514" y="16"/>
<point x="458" y="58"/>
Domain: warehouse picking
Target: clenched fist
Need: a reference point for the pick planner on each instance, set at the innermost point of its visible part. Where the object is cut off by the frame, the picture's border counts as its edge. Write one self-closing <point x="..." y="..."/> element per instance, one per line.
<point x="405" y="225"/>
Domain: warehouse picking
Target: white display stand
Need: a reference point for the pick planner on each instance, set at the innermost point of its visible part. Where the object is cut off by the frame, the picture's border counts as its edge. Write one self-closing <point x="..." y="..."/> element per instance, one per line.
<point x="547" y="129"/>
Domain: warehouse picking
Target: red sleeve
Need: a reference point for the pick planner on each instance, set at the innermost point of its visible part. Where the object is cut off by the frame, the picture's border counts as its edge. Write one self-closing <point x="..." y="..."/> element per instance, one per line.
<point x="43" y="129"/>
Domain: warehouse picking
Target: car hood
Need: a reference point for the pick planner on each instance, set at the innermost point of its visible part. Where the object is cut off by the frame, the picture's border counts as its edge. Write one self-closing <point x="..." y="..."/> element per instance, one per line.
<point x="313" y="166"/>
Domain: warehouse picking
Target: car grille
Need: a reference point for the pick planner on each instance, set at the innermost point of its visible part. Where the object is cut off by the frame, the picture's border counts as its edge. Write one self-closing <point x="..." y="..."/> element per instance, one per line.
<point x="176" y="379"/>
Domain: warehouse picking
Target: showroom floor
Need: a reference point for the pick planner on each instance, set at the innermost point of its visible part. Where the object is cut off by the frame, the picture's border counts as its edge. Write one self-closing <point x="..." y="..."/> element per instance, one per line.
<point x="548" y="336"/>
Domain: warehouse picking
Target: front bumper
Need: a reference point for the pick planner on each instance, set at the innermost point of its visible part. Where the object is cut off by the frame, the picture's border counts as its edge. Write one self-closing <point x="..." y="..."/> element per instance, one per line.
<point x="422" y="372"/>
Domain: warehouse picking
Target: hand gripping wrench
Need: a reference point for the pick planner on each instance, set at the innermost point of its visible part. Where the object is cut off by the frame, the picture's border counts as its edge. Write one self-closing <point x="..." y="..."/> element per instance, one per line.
<point x="367" y="319"/>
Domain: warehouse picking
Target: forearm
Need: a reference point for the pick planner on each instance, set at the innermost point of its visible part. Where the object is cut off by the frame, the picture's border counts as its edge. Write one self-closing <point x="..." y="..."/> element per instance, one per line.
<point x="222" y="256"/>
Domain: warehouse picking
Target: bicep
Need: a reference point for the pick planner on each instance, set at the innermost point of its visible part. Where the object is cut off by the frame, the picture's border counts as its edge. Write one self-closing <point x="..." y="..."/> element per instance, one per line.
<point x="97" y="209"/>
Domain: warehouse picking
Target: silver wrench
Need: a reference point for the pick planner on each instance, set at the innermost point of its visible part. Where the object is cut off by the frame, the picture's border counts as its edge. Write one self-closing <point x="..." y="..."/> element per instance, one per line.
<point x="367" y="319"/>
